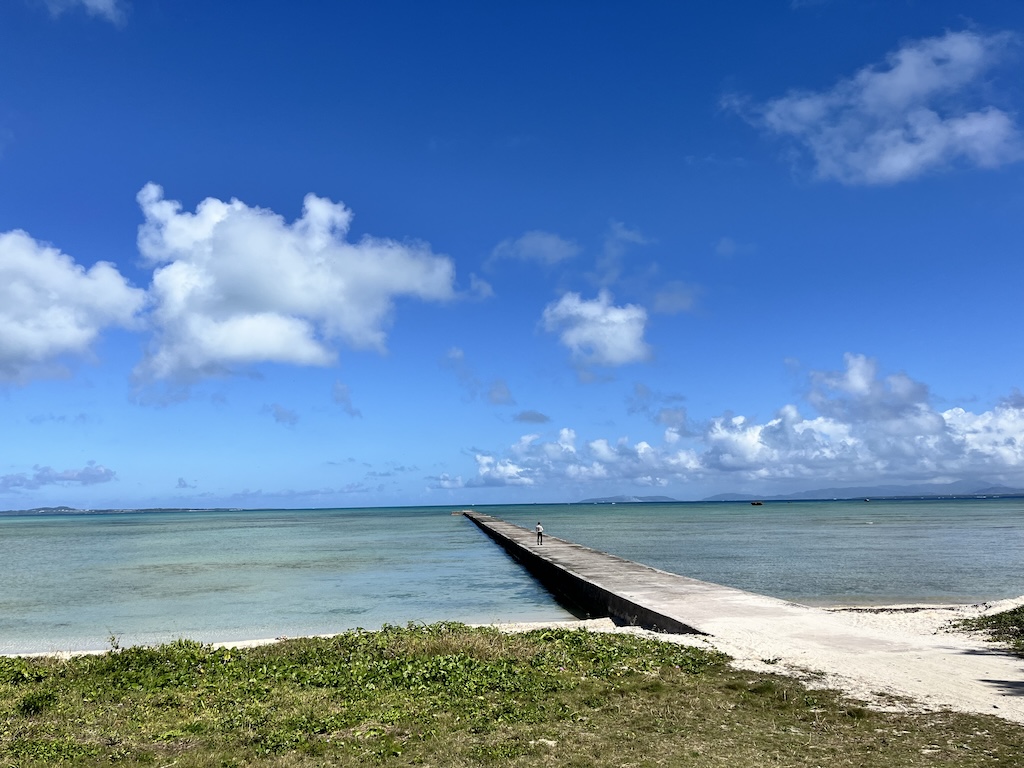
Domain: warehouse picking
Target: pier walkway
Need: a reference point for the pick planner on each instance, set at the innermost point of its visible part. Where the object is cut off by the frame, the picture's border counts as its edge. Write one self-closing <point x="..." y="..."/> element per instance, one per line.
<point x="838" y="649"/>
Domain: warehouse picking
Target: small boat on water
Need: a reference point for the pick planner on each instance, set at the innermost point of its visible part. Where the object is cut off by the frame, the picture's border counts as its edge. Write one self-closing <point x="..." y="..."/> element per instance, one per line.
<point x="756" y="503"/>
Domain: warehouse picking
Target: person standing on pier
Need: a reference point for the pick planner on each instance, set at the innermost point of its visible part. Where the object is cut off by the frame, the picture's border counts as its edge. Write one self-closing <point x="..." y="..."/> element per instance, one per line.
<point x="540" y="532"/>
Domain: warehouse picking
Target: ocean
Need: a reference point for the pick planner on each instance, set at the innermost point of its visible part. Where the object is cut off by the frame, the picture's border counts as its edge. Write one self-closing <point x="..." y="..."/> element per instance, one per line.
<point x="74" y="581"/>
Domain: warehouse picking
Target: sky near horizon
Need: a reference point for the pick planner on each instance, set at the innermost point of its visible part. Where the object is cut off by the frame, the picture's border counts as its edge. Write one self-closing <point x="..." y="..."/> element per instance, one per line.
<point x="398" y="253"/>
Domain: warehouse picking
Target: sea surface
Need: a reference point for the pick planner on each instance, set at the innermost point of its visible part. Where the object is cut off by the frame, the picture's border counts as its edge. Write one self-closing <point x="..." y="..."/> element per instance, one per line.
<point x="74" y="581"/>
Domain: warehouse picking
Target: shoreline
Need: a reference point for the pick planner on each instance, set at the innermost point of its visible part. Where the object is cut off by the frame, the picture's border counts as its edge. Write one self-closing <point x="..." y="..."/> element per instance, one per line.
<point x="852" y="608"/>
<point x="960" y="671"/>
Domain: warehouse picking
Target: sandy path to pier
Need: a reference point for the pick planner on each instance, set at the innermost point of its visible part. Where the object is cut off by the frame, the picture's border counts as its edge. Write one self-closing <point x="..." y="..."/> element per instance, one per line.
<point x="922" y="667"/>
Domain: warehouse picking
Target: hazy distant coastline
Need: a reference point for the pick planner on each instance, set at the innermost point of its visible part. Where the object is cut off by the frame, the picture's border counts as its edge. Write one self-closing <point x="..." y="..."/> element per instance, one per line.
<point x="76" y="511"/>
<point x="961" y="489"/>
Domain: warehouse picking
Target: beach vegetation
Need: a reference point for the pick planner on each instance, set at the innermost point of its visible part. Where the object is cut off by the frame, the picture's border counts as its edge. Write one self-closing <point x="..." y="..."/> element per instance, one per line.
<point x="1005" y="628"/>
<point x="451" y="695"/>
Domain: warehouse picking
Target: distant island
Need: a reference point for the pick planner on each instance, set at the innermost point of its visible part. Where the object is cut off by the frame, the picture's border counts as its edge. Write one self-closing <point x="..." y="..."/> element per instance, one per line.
<point x="627" y="500"/>
<point x="76" y="511"/>
<point x="958" y="489"/>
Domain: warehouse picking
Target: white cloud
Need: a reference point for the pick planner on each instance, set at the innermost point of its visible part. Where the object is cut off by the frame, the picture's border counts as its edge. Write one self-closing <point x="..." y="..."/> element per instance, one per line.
<point x="543" y="247"/>
<point x="91" y="474"/>
<point x="991" y="439"/>
<point x="596" y="331"/>
<point x="446" y="482"/>
<point x="491" y="471"/>
<point x="919" y="112"/>
<point x="869" y="429"/>
<point x="112" y="10"/>
<point x="51" y="306"/>
<point x="559" y="461"/>
<point x="236" y="285"/>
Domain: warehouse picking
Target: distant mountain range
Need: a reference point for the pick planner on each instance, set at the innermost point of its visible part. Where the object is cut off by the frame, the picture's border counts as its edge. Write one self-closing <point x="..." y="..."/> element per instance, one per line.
<point x="960" y="488"/>
<point x="626" y="499"/>
<point x="929" y="490"/>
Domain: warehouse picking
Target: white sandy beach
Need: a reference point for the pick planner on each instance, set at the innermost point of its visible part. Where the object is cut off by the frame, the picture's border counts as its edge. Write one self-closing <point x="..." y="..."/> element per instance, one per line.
<point x="925" y="667"/>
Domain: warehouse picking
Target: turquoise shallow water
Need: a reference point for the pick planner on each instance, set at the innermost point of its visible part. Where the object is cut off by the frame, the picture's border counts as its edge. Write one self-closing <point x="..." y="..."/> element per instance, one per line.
<point x="72" y="581"/>
<point x="818" y="553"/>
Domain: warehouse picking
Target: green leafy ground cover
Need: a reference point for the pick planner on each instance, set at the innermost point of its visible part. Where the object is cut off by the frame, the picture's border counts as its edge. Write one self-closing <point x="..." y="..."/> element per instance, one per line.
<point x="1006" y="628"/>
<point x="448" y="695"/>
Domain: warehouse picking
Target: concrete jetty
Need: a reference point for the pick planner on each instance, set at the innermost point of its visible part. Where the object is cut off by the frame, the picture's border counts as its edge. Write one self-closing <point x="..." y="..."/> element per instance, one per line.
<point x="596" y="583"/>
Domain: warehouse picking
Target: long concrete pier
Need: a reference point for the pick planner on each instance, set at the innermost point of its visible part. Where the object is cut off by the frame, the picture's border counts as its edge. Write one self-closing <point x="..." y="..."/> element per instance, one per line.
<point x="599" y="584"/>
<point x="837" y="649"/>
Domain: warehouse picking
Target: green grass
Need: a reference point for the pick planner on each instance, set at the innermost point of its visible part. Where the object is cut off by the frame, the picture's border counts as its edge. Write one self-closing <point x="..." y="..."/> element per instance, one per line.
<point x="448" y="695"/>
<point x="1005" y="628"/>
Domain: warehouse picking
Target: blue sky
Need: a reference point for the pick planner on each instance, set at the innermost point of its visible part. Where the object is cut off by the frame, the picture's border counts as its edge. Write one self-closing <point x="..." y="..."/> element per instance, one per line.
<point x="356" y="254"/>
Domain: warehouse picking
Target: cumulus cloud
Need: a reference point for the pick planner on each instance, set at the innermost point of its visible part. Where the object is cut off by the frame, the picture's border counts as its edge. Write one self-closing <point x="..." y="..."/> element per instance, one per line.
<point x="542" y="247"/>
<point x="598" y="332"/>
<point x="91" y="474"/>
<point x="111" y="10"/>
<point x="858" y="394"/>
<point x="236" y="285"/>
<point x="867" y="428"/>
<point x="499" y="472"/>
<point x="445" y="482"/>
<point x="918" y="112"/>
<point x="51" y="306"/>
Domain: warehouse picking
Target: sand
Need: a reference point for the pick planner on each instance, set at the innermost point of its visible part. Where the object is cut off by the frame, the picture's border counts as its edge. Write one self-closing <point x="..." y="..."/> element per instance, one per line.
<point x="923" y="667"/>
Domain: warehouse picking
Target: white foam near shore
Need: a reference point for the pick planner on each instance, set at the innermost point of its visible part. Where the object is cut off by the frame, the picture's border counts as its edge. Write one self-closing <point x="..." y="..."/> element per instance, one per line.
<point x="951" y="670"/>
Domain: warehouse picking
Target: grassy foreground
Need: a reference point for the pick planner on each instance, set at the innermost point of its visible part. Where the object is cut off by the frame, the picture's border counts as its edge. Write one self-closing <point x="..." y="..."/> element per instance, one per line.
<point x="1005" y="628"/>
<point x="448" y="695"/>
